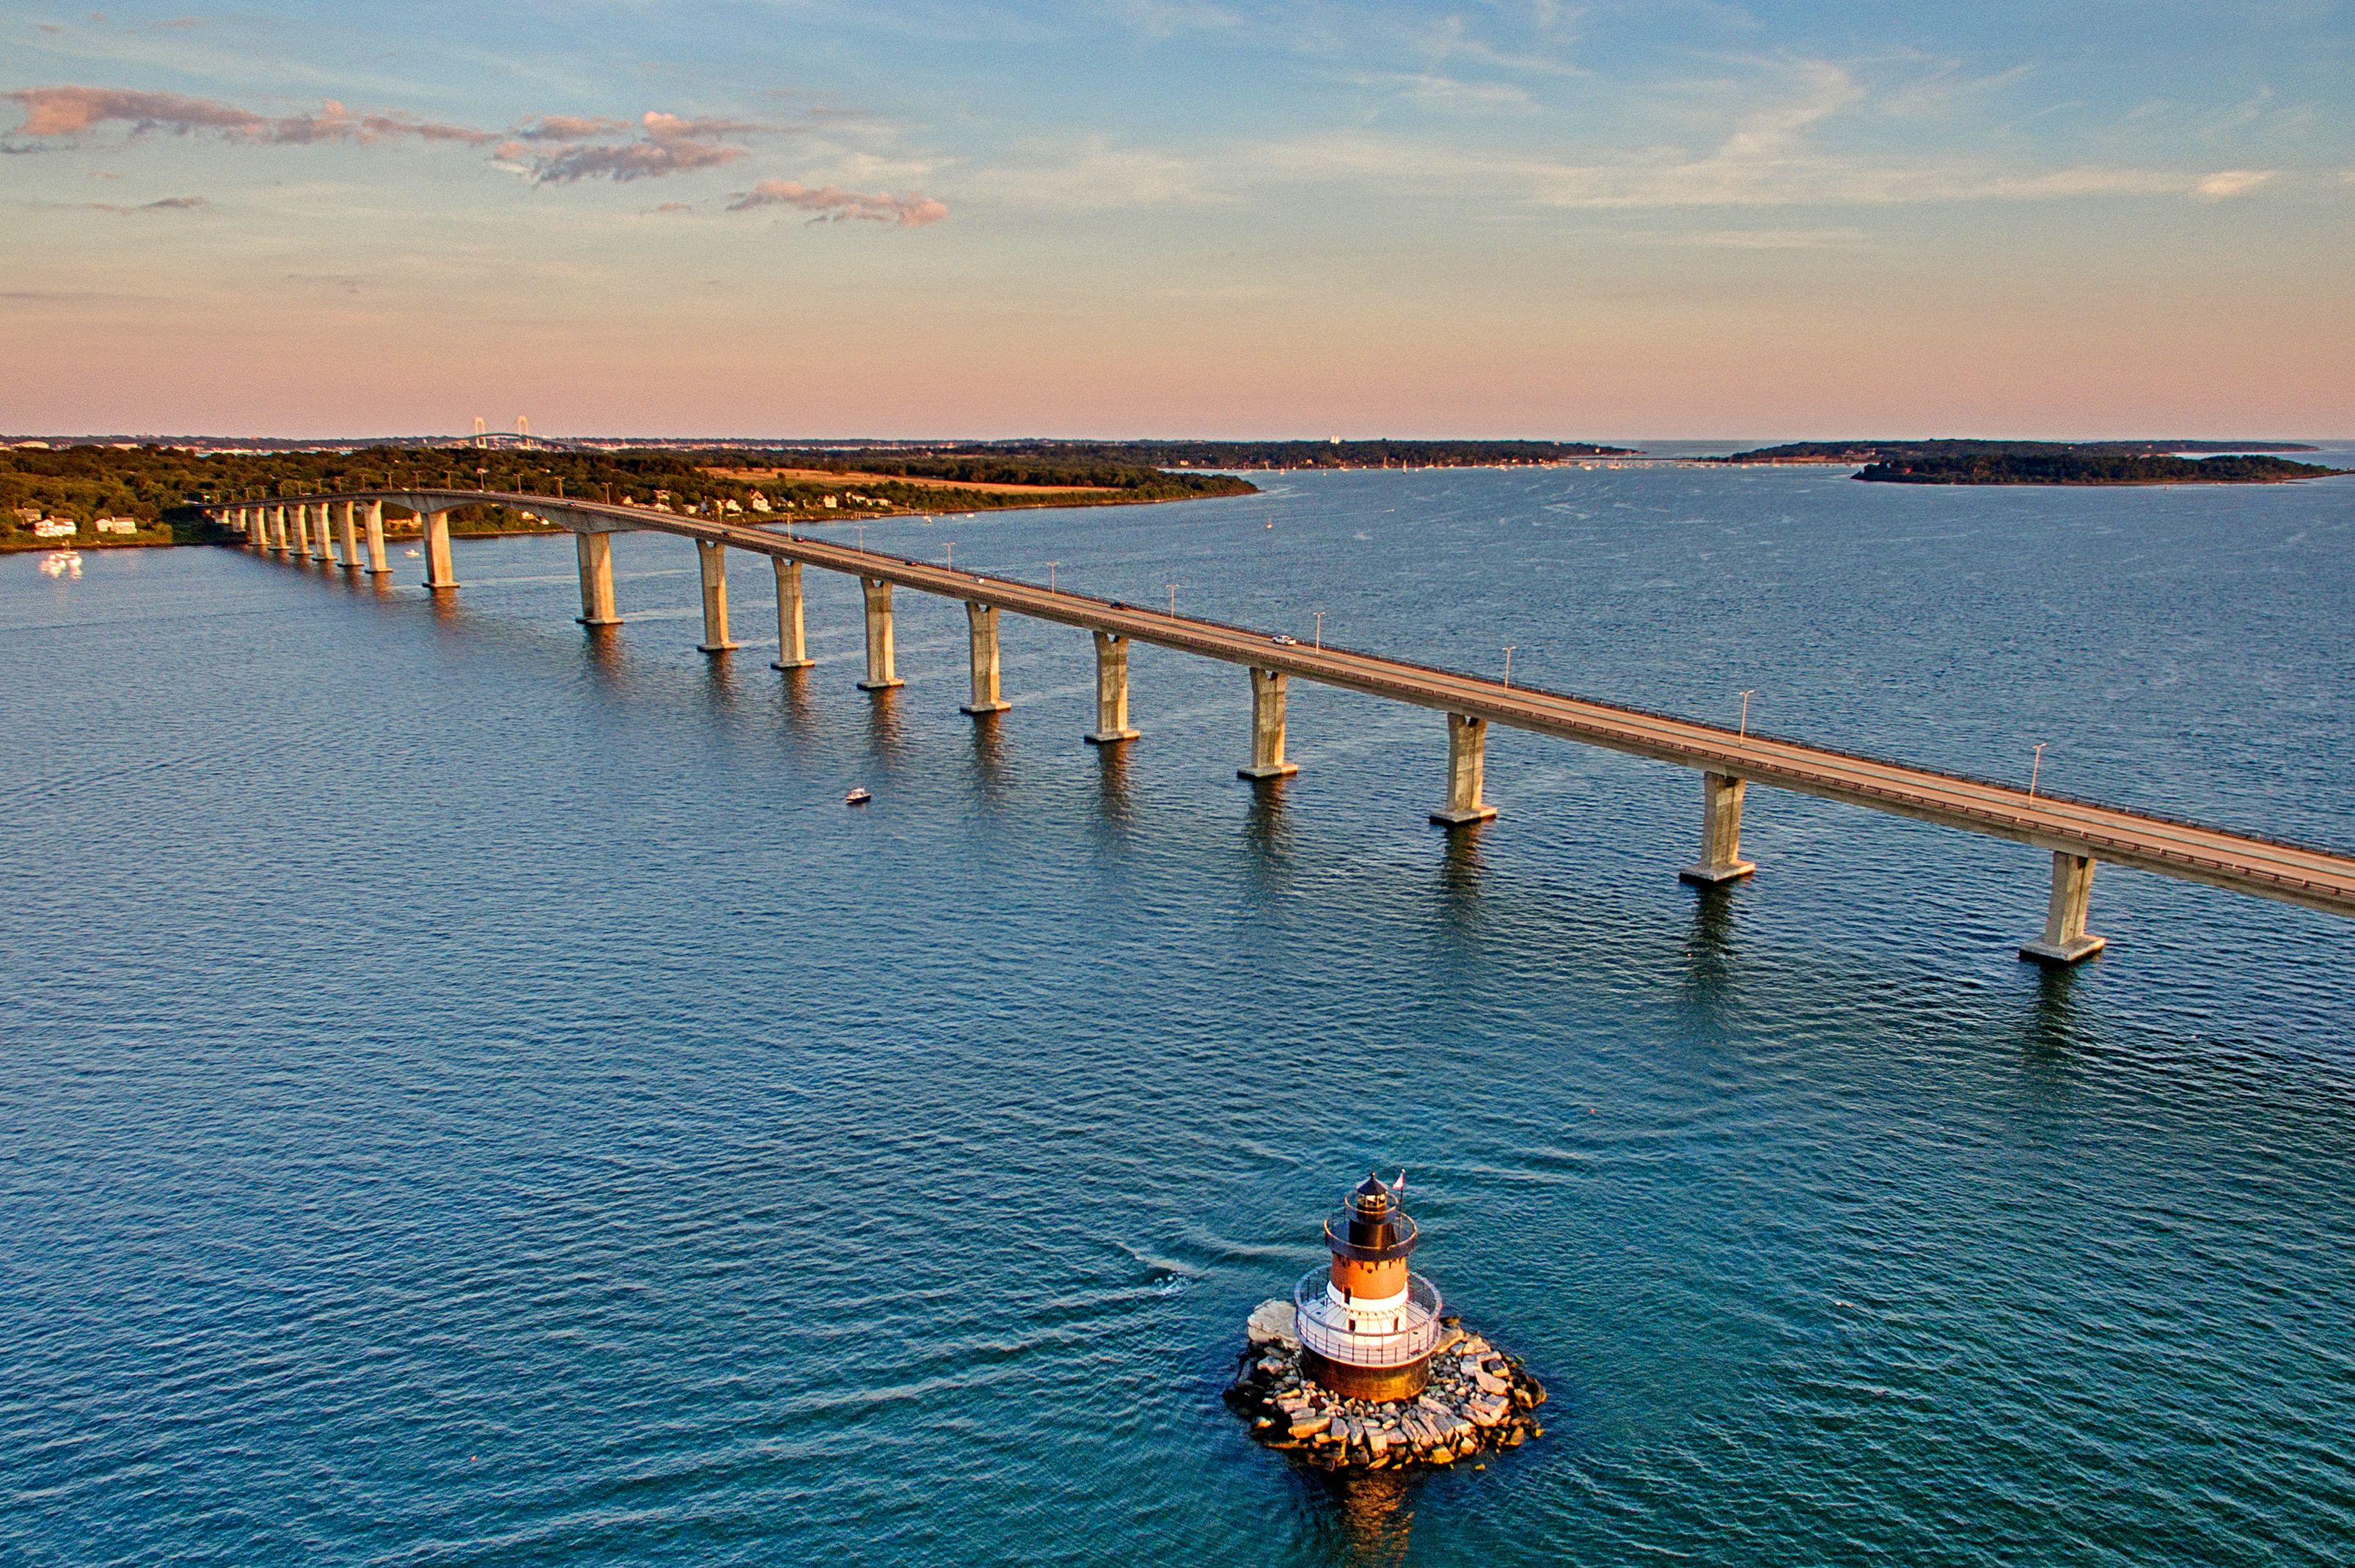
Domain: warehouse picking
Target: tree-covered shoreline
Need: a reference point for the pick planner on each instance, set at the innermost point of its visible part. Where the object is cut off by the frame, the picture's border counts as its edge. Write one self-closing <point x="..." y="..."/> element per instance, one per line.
<point x="2091" y="468"/>
<point x="166" y="490"/>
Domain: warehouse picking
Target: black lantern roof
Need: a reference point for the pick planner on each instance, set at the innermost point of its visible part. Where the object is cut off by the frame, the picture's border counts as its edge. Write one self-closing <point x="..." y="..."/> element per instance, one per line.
<point x="1371" y="1226"/>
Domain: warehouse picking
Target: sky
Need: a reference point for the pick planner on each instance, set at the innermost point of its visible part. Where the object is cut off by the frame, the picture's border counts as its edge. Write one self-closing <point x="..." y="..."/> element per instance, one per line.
<point x="1627" y="219"/>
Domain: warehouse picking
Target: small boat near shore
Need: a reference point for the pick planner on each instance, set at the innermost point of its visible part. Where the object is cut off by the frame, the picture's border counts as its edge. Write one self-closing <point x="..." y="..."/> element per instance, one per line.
<point x="858" y="797"/>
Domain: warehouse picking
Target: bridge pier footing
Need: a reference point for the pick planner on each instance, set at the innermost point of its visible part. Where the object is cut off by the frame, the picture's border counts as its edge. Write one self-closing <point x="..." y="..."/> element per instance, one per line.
<point x="595" y="552"/>
<point x="981" y="622"/>
<point x="1267" y="728"/>
<point x="440" y="575"/>
<point x="1468" y="767"/>
<point x="793" y="646"/>
<point x="1111" y="691"/>
<point x="2065" y="940"/>
<point x="713" y="558"/>
<point x="375" y="521"/>
<point x="880" y="675"/>
<point x="1721" y="834"/>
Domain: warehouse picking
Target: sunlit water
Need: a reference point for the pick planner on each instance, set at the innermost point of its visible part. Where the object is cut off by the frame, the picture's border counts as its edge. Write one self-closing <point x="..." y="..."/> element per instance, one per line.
<point x="474" y="1093"/>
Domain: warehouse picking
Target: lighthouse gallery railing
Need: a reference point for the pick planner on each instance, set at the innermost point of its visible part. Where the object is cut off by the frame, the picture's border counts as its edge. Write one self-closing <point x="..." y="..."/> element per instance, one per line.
<point x="1323" y="1324"/>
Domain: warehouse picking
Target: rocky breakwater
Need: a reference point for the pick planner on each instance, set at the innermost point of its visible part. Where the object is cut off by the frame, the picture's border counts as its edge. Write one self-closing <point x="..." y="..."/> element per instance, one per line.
<point x="1478" y="1398"/>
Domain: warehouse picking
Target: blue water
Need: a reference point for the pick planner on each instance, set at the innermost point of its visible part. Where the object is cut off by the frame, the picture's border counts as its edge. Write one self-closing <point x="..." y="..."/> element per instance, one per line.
<point x="473" y="1095"/>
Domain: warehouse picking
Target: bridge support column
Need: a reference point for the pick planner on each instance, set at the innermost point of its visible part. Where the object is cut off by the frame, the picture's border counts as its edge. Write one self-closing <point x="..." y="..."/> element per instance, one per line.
<point x="1111" y="691"/>
<point x="319" y="548"/>
<point x="278" y="529"/>
<point x="375" y="519"/>
<point x="440" y="575"/>
<point x="981" y="623"/>
<point x="1267" y="728"/>
<point x="880" y="674"/>
<point x="348" y="544"/>
<point x="793" y="644"/>
<point x="303" y="548"/>
<point x="714" y="560"/>
<point x="1467" y="768"/>
<point x="2065" y="940"/>
<point x="1720" y="833"/>
<point x="596" y="554"/>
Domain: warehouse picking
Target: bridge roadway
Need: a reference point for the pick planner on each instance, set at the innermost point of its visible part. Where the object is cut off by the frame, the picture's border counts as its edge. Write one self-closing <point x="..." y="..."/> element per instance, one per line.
<point x="2076" y="833"/>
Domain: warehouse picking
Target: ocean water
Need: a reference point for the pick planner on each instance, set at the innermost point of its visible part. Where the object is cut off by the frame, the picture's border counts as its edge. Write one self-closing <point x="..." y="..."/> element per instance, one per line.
<point x="473" y="1095"/>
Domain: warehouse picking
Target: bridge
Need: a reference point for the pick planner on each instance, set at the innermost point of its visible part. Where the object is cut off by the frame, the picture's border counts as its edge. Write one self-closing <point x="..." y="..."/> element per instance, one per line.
<point x="2077" y="833"/>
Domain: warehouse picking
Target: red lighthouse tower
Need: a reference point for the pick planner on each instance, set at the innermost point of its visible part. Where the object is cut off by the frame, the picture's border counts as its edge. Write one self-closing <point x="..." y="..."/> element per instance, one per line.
<point x="1367" y="1327"/>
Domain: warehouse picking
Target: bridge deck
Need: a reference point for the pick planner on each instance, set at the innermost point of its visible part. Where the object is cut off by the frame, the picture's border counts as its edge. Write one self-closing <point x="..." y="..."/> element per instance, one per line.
<point x="2318" y="879"/>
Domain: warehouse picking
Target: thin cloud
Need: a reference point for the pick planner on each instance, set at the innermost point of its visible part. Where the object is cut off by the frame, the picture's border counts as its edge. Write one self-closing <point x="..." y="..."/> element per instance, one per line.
<point x="51" y="111"/>
<point x="165" y="204"/>
<point x="673" y="144"/>
<point x="567" y="128"/>
<point x="832" y="204"/>
<point x="2225" y="184"/>
<point x="621" y="162"/>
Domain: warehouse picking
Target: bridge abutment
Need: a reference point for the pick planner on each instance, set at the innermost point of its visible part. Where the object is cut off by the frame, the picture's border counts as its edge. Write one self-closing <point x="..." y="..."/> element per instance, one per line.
<point x="793" y="644"/>
<point x="1111" y="691"/>
<point x="981" y="625"/>
<point x="880" y="675"/>
<point x="2065" y="940"/>
<point x="1467" y="769"/>
<point x="595" y="552"/>
<point x="1267" y="728"/>
<point x="1720" y="833"/>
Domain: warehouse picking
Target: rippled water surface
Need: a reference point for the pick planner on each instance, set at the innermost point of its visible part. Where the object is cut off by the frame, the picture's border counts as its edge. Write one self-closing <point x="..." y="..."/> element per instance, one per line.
<point x="473" y="1095"/>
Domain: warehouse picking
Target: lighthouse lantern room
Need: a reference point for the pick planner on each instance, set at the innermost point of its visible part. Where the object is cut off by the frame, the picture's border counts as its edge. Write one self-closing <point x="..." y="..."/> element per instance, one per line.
<point x="1367" y="1326"/>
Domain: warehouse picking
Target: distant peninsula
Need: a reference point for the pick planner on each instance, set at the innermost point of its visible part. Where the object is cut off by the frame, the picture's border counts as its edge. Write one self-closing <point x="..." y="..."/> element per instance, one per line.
<point x="1333" y="452"/>
<point x="1899" y="451"/>
<point x="2091" y="468"/>
<point x="2051" y="462"/>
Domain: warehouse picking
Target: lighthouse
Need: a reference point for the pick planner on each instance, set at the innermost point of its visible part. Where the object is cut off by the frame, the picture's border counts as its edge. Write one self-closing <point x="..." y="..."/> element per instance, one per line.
<point x="1367" y="1326"/>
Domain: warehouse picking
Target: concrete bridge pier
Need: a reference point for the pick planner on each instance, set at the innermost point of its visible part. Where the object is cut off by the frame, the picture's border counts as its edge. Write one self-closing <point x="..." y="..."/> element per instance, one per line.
<point x="321" y="549"/>
<point x="792" y="643"/>
<point x="2065" y="940"/>
<point x="1267" y="728"/>
<point x="348" y="544"/>
<point x="880" y="674"/>
<point x="1111" y="691"/>
<point x="1720" y="833"/>
<point x="596" y="554"/>
<point x="981" y="623"/>
<point x="299" y="540"/>
<point x="376" y="566"/>
<point x="714" y="560"/>
<point x="440" y="574"/>
<point x="1468" y="767"/>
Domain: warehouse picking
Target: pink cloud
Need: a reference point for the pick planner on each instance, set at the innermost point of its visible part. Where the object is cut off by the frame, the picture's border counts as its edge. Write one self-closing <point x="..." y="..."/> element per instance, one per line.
<point x="568" y="127"/>
<point x="69" y="111"/>
<point x="832" y="204"/>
